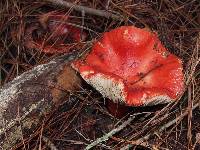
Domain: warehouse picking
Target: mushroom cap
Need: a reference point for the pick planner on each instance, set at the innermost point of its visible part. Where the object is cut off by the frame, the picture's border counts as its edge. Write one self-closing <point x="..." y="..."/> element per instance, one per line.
<point x="62" y="37"/>
<point x="57" y="24"/>
<point x="130" y="65"/>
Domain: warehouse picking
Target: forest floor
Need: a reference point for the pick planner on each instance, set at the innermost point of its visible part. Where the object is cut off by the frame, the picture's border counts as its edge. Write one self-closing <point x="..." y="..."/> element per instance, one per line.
<point x="172" y="126"/>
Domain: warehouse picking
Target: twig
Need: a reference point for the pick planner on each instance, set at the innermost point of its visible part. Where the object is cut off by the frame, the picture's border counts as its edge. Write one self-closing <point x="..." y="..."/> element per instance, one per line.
<point x="92" y="11"/>
<point x="110" y="134"/>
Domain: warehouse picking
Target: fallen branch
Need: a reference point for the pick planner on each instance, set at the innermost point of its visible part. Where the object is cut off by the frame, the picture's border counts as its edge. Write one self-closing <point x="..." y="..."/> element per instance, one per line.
<point x="25" y="100"/>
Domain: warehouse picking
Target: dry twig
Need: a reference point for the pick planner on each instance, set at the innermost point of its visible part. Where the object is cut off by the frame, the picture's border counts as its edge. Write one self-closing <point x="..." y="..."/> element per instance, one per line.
<point x="92" y="11"/>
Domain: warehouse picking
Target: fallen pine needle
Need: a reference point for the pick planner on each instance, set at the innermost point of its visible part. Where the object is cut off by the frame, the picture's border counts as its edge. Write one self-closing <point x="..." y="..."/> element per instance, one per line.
<point x="141" y="141"/>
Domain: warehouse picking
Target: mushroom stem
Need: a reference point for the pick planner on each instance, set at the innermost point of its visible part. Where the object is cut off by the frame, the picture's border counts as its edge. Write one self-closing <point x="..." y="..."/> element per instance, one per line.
<point x="117" y="110"/>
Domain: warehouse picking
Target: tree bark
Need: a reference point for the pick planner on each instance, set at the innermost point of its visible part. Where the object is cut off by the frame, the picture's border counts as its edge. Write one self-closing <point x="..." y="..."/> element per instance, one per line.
<point x="25" y="100"/>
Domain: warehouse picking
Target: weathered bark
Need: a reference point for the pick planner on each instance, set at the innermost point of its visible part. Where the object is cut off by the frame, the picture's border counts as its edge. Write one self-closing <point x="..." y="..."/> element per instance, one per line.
<point x="25" y="100"/>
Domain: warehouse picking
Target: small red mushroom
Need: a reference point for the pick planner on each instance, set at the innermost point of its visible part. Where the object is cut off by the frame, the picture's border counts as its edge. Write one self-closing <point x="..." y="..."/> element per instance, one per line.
<point x="131" y="66"/>
<point x="61" y="36"/>
<point x="56" y="23"/>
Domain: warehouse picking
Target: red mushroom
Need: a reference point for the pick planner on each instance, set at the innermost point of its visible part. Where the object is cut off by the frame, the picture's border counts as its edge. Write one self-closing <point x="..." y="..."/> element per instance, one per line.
<point x="56" y="23"/>
<point x="130" y="65"/>
<point x="61" y="36"/>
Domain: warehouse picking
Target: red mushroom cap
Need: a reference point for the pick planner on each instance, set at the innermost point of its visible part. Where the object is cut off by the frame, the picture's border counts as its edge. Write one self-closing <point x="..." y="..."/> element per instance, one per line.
<point x="62" y="36"/>
<point x="130" y="65"/>
<point x="56" y="22"/>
